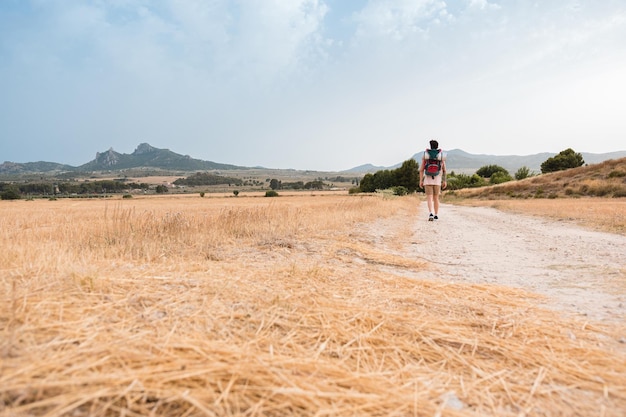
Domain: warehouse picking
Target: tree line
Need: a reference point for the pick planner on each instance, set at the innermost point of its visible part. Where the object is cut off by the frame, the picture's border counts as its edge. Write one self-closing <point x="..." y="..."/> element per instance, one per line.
<point x="10" y="191"/>
<point x="405" y="179"/>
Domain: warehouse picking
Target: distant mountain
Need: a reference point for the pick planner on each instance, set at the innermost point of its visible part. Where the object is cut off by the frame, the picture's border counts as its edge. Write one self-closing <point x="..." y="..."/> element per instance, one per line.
<point x="362" y="169"/>
<point x="145" y="156"/>
<point x="466" y="163"/>
<point x="17" y="168"/>
<point x="149" y="156"/>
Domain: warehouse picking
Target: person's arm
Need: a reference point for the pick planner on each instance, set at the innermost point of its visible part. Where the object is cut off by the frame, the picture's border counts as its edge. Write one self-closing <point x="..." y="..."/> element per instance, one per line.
<point x="421" y="173"/>
<point x="444" y="182"/>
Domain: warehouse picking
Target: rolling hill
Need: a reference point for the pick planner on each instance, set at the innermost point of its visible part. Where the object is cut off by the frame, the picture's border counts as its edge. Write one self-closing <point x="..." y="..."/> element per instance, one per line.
<point x="604" y="179"/>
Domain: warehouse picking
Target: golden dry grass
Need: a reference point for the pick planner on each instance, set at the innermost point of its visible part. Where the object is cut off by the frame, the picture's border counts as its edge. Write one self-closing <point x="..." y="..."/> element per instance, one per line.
<point x="257" y="307"/>
<point x="606" y="179"/>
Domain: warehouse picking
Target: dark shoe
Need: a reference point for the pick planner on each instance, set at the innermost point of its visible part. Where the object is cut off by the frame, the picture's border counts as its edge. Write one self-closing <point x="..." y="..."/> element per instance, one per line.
<point x="431" y="217"/>
<point x="436" y="217"/>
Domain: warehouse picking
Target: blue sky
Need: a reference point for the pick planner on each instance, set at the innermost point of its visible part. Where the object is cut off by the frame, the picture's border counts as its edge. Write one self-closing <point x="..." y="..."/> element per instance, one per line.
<point x="310" y="84"/>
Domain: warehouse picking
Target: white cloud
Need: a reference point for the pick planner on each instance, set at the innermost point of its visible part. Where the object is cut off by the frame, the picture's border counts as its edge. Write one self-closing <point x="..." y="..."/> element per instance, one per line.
<point x="399" y="19"/>
<point x="483" y="4"/>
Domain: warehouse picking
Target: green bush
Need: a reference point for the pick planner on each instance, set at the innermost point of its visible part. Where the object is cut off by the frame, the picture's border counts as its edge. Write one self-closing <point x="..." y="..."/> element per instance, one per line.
<point x="459" y="181"/>
<point x="564" y="160"/>
<point x="523" y="172"/>
<point x="271" y="193"/>
<point x="499" y="177"/>
<point x="488" y="171"/>
<point x="10" y="194"/>
<point x="127" y="196"/>
<point x="400" y="190"/>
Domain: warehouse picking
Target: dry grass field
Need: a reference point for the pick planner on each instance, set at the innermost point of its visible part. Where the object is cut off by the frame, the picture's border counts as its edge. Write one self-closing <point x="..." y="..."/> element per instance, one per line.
<point x="252" y="306"/>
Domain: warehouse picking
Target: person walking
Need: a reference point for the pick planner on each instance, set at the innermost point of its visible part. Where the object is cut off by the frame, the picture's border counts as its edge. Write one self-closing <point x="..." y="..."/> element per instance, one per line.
<point x="433" y="177"/>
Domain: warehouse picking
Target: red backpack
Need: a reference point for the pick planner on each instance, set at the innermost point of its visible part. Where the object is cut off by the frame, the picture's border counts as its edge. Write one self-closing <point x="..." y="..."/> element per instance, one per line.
<point x="433" y="158"/>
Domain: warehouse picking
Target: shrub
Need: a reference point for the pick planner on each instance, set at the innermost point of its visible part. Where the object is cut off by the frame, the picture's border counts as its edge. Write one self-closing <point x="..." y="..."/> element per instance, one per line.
<point x="564" y="160"/>
<point x="236" y="193"/>
<point x="459" y="181"/>
<point x="127" y="196"/>
<point x="488" y="171"/>
<point x="499" y="177"/>
<point x="354" y="190"/>
<point x="202" y="194"/>
<point x="523" y="172"/>
<point x="400" y="190"/>
<point x="271" y="193"/>
<point x="10" y="194"/>
<point x="601" y="190"/>
<point x="617" y="174"/>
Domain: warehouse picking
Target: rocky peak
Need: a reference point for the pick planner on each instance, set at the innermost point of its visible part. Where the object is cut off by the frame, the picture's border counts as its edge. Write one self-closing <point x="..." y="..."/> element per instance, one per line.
<point x="108" y="158"/>
<point x="144" y="148"/>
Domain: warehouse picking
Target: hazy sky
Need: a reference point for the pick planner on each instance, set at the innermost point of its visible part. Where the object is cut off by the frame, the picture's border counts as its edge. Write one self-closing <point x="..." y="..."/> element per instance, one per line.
<point x="310" y="84"/>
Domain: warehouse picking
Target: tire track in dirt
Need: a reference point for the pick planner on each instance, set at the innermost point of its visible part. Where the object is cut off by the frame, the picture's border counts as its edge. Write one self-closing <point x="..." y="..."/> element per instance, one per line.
<point x="579" y="270"/>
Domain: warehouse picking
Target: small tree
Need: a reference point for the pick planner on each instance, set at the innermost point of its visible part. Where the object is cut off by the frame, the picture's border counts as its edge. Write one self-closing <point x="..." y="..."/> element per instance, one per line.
<point x="236" y="192"/>
<point x="160" y="189"/>
<point x="380" y="180"/>
<point x="407" y="175"/>
<point x="499" y="177"/>
<point x="274" y="184"/>
<point x="11" y="193"/>
<point x="488" y="170"/>
<point x="564" y="160"/>
<point x="523" y="172"/>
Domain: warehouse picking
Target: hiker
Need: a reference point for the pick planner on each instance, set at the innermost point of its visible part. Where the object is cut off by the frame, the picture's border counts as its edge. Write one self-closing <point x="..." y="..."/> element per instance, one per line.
<point x="433" y="177"/>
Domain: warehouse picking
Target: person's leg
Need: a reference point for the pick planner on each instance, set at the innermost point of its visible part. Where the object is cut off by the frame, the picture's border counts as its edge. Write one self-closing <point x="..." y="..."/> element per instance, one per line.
<point x="429" y="197"/>
<point x="435" y="197"/>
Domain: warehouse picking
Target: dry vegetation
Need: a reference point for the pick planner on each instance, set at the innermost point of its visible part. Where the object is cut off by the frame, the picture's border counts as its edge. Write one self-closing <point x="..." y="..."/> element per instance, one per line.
<point x="606" y="179"/>
<point x="589" y="195"/>
<point x="286" y="306"/>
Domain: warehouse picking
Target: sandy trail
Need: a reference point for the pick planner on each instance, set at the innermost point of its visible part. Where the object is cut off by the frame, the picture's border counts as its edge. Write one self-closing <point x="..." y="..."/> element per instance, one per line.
<point x="580" y="271"/>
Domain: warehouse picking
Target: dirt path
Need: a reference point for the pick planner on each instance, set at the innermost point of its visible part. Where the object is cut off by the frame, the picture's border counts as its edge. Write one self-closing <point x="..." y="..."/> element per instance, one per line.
<point x="580" y="271"/>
